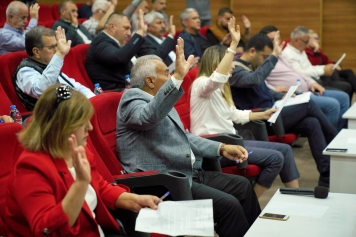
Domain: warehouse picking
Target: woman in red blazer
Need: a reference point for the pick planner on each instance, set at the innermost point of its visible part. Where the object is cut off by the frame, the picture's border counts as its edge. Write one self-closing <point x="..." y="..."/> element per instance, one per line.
<point x="55" y="188"/>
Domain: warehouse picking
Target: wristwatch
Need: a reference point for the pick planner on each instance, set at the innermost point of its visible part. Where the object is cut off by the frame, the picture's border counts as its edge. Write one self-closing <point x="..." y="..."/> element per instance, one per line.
<point x="228" y="50"/>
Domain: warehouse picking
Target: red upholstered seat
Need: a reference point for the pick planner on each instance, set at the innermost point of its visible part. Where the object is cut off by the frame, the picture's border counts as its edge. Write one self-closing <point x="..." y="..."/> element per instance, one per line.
<point x="55" y="12"/>
<point x="10" y="151"/>
<point x="80" y="52"/>
<point x="2" y="16"/>
<point x="5" y="102"/>
<point x="8" y="65"/>
<point x="203" y="30"/>
<point x="45" y="13"/>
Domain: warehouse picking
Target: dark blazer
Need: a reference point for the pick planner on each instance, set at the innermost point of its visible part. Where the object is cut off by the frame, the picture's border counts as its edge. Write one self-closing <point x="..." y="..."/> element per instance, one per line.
<point x="71" y="33"/>
<point x="191" y="46"/>
<point x="150" y="134"/>
<point x="162" y="50"/>
<point x="35" y="193"/>
<point x="108" y="63"/>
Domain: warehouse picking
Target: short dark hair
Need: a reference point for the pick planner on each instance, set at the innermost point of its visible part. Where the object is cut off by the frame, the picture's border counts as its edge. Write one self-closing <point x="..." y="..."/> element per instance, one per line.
<point x="34" y="38"/>
<point x="268" y="29"/>
<point x="63" y="5"/>
<point x="259" y="42"/>
<point x="114" y="17"/>
<point x="224" y="10"/>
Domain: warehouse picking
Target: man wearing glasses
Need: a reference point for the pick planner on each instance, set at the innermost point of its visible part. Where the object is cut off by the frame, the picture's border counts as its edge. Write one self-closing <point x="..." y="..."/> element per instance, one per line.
<point x="12" y="36"/>
<point x="46" y="50"/>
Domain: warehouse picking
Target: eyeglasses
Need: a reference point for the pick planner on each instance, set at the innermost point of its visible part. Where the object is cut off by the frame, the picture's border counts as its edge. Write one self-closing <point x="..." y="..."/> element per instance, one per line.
<point x="63" y="93"/>
<point x="51" y="47"/>
<point x="304" y="41"/>
<point x="102" y="11"/>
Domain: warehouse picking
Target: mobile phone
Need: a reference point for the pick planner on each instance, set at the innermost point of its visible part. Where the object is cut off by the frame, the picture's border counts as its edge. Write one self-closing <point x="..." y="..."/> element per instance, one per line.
<point x="272" y="216"/>
<point x="336" y="149"/>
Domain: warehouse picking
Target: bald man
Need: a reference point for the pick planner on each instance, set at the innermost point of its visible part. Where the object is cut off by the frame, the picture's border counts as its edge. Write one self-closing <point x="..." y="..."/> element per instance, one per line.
<point x="12" y="36"/>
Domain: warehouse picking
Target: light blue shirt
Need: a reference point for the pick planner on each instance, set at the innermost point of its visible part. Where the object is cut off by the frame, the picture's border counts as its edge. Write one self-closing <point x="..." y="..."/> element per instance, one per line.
<point x="32" y="83"/>
<point x="13" y="40"/>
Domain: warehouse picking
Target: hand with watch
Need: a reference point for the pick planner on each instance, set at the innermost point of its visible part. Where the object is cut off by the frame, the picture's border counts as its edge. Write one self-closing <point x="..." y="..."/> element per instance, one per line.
<point x="235" y="35"/>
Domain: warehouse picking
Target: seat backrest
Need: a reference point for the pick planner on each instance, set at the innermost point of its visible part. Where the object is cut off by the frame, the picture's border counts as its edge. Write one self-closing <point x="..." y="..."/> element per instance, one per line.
<point x="2" y="16"/>
<point x="103" y="134"/>
<point x="10" y="151"/>
<point x="5" y="102"/>
<point x="71" y="70"/>
<point x="203" y="30"/>
<point x="183" y="104"/>
<point x="55" y="12"/>
<point x="80" y="52"/>
<point x="45" y="13"/>
<point x="8" y="65"/>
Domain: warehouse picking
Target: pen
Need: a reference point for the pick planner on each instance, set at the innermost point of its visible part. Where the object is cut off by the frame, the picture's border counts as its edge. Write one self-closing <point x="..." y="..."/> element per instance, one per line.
<point x="238" y="161"/>
<point x="165" y="195"/>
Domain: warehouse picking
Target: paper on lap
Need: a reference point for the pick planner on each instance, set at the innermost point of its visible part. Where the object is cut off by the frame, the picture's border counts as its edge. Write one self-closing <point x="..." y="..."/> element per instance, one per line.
<point x="178" y="218"/>
<point x="339" y="61"/>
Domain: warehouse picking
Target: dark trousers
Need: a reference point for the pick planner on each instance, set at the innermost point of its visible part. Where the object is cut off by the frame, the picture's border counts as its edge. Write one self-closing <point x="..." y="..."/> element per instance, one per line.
<point x="235" y="204"/>
<point x="308" y="119"/>
<point x="330" y="82"/>
<point x="345" y="75"/>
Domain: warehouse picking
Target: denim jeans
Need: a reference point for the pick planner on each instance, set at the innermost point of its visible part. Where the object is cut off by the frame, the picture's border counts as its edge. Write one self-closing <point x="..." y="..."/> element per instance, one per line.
<point x="273" y="159"/>
<point x="308" y="119"/>
<point x="334" y="104"/>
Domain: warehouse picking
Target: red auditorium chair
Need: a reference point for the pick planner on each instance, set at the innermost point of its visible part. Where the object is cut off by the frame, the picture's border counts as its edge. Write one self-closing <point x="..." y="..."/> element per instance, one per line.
<point x="5" y="3"/>
<point x="183" y="108"/>
<point x="5" y="102"/>
<point x="10" y="151"/>
<point x="8" y="65"/>
<point x="71" y="69"/>
<point x="103" y="137"/>
<point x="55" y="12"/>
<point x="203" y="30"/>
<point x="2" y="16"/>
<point x="44" y="14"/>
<point x="80" y="52"/>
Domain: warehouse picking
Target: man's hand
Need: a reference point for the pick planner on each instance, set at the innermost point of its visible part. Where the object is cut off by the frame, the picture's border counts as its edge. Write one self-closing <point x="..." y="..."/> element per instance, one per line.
<point x="73" y="19"/>
<point x="182" y="65"/>
<point x="235" y="153"/>
<point x="316" y="87"/>
<point x="142" y="26"/>
<point x="338" y="67"/>
<point x="246" y="22"/>
<point x="314" y="44"/>
<point x="234" y="32"/>
<point x="226" y="40"/>
<point x="114" y="2"/>
<point x="172" y="28"/>
<point x="328" y="69"/>
<point x="282" y="89"/>
<point x="277" y="45"/>
<point x="63" y="46"/>
<point x="34" y="11"/>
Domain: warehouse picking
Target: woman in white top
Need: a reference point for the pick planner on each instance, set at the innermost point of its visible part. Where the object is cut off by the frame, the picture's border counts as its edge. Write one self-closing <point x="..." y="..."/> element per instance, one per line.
<point x="212" y="110"/>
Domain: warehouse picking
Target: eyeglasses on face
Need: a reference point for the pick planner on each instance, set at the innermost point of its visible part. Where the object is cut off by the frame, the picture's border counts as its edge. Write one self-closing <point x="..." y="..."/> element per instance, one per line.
<point x="63" y="93"/>
<point x="304" y="41"/>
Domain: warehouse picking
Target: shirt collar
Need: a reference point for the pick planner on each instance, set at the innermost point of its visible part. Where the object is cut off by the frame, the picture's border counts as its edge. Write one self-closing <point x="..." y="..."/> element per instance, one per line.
<point x="8" y="27"/>
<point x="294" y="49"/>
<point x="112" y="38"/>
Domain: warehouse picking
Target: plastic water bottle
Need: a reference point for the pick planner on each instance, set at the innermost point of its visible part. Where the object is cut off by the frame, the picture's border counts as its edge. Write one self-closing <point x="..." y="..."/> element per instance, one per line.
<point x="15" y="114"/>
<point x="127" y="80"/>
<point x="97" y="89"/>
<point x="299" y="88"/>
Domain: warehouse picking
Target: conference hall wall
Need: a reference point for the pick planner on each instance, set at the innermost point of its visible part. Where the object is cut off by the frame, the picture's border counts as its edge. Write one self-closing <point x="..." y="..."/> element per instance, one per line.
<point x="335" y="21"/>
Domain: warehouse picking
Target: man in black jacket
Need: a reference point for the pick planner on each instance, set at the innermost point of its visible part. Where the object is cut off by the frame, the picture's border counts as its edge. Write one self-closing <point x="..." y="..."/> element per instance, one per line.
<point x="75" y="32"/>
<point x="111" y="55"/>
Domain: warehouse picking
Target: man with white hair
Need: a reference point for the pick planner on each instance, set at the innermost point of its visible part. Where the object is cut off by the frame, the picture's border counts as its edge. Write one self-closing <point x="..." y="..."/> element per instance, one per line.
<point x="12" y="36"/>
<point x="156" y="28"/>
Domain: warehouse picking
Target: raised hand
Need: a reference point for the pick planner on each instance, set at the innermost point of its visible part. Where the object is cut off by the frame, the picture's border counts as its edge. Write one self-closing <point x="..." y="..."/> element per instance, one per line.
<point x="277" y="45"/>
<point x="142" y="26"/>
<point x="114" y="2"/>
<point x="182" y="65"/>
<point x="246" y="21"/>
<point x="79" y="160"/>
<point x="74" y="19"/>
<point x="172" y="27"/>
<point x="34" y="11"/>
<point x="63" y="46"/>
<point x="234" y="31"/>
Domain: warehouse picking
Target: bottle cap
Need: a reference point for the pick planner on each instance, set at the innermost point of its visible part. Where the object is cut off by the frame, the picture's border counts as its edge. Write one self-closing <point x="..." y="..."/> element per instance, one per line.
<point x="12" y="106"/>
<point x="96" y="84"/>
<point x="127" y="76"/>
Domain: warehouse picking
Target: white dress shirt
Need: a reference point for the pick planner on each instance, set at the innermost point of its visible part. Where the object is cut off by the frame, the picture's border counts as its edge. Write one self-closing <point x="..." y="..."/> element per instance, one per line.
<point x="209" y="111"/>
<point x="301" y="63"/>
<point x="34" y="84"/>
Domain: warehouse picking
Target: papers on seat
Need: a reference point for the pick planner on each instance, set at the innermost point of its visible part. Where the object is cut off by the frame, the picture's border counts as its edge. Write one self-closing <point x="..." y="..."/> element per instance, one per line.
<point x="339" y="61"/>
<point x="299" y="99"/>
<point x="290" y="92"/>
<point x="178" y="218"/>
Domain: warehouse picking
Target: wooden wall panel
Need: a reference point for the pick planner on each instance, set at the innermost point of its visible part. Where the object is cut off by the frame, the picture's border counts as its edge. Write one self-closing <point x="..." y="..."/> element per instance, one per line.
<point x="285" y="15"/>
<point x="339" y="31"/>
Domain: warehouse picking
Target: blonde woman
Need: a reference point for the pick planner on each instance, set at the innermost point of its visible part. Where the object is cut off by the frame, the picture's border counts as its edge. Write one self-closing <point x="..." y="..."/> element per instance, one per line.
<point x="55" y="188"/>
<point x="212" y="111"/>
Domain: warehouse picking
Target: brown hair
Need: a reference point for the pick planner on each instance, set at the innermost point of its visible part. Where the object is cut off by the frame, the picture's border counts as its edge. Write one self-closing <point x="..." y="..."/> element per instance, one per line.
<point x="49" y="133"/>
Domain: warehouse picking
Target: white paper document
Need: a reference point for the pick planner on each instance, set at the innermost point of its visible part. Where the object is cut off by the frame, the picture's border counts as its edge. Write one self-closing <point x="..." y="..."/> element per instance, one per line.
<point x="295" y="209"/>
<point x="178" y="218"/>
<point x="351" y="140"/>
<point x="339" y="61"/>
<point x="290" y="92"/>
<point x="299" y="99"/>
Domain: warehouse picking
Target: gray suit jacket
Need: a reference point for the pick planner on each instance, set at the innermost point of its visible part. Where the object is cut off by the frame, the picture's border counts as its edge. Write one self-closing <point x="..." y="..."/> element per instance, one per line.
<point x="150" y="135"/>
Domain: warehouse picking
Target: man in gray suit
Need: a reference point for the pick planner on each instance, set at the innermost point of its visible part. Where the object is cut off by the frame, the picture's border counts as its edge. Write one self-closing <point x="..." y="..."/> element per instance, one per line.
<point x="151" y="136"/>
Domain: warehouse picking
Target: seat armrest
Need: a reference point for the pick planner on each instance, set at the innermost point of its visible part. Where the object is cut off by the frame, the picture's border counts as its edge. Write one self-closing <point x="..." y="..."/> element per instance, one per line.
<point x="157" y="182"/>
